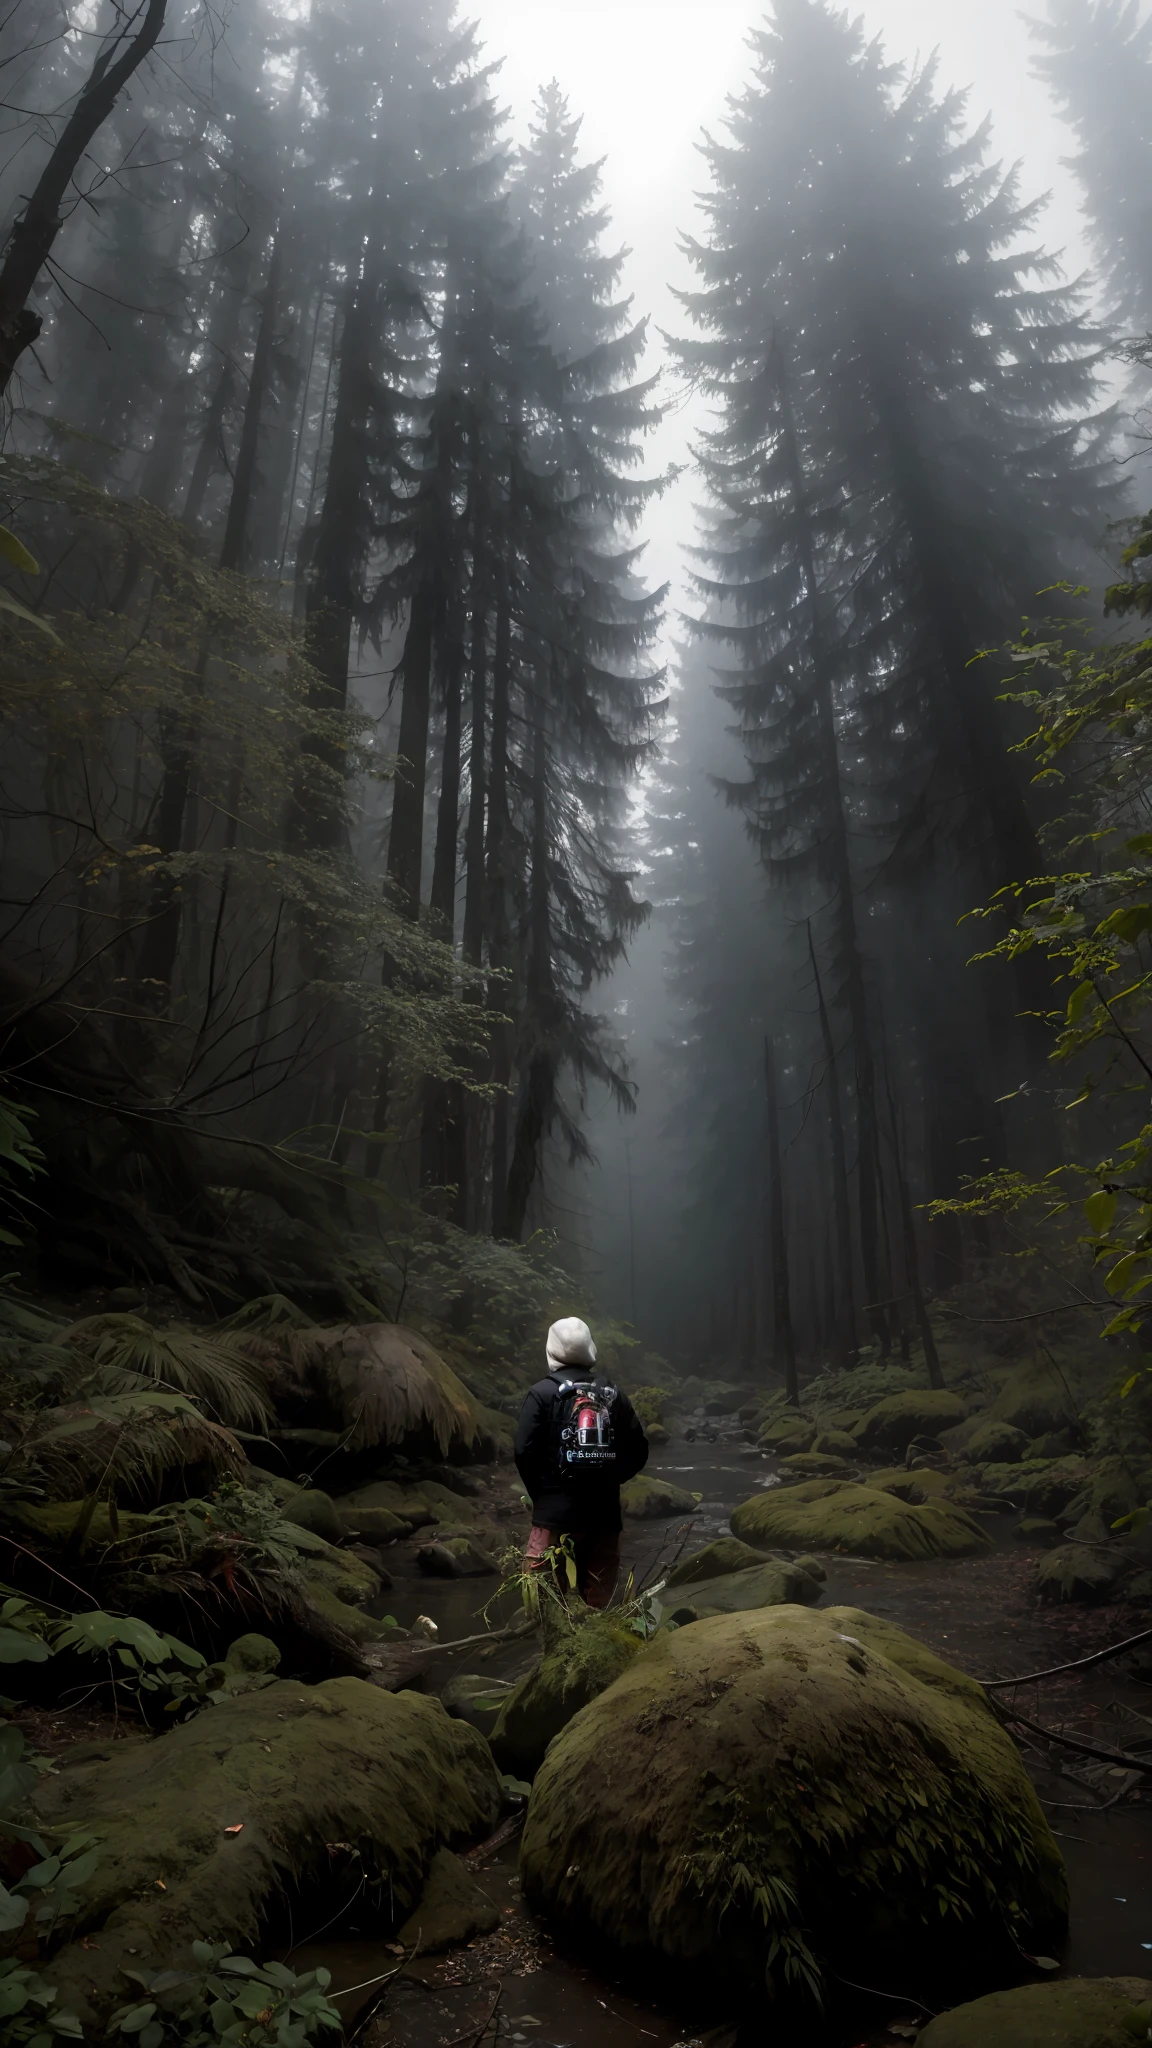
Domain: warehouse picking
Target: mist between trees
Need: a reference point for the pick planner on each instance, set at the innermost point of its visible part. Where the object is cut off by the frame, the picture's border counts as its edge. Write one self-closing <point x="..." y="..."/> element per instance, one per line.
<point x="341" y="768"/>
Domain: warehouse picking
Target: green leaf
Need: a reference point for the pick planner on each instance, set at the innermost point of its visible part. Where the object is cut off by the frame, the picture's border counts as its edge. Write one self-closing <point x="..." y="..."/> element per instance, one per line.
<point x="1099" y="1211"/>
<point x="136" y="2018"/>
<point x="13" y="1913"/>
<point x="18" y="1648"/>
<point x="1129" y="923"/>
<point x="14" y="551"/>
<point x="8" y="603"/>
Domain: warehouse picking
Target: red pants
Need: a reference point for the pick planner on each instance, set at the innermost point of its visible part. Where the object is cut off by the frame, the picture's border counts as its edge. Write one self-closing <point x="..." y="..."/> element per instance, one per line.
<point x="597" y="1560"/>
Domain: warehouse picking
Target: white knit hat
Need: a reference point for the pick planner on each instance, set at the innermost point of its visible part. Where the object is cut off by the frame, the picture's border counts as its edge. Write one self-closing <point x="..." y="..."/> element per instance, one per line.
<point x="570" y="1343"/>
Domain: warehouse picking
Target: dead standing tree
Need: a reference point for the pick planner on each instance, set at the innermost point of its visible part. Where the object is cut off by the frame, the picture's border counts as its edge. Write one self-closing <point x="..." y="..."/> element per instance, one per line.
<point x="30" y="240"/>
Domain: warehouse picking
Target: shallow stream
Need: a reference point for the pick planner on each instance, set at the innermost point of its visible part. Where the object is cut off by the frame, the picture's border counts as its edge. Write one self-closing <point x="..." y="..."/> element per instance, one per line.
<point x="979" y="1613"/>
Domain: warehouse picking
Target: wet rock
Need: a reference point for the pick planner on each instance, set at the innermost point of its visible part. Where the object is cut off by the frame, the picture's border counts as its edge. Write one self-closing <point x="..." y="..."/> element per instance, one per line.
<point x="1035" y="1398"/>
<point x="473" y="1697"/>
<point x="646" y="1500"/>
<point x="374" y="1559"/>
<point x="727" y="1554"/>
<point x="927" y="1483"/>
<point x="584" y="1653"/>
<point x="407" y="1503"/>
<point x="813" y="1465"/>
<point x="376" y="1525"/>
<point x="1081" y="1572"/>
<point x="338" y="1584"/>
<point x="851" y="1773"/>
<point x="311" y="1509"/>
<point x="813" y="1567"/>
<point x="772" y="1584"/>
<point x="286" y="1770"/>
<point x="893" y="1422"/>
<point x="788" y="1432"/>
<point x="827" y="1514"/>
<point x="835" y="1443"/>
<point x="996" y="1443"/>
<point x="1036" y="1529"/>
<point x="452" y="1910"/>
<point x="1055" y="1443"/>
<point x="1077" y="2012"/>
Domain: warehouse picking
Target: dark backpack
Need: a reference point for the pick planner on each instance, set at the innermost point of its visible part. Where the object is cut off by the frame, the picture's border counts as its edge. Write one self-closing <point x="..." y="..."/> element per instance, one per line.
<point x="584" y="1438"/>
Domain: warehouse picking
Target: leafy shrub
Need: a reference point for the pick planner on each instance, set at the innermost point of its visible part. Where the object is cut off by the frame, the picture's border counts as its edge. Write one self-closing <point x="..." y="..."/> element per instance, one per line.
<point x="54" y="1880"/>
<point x="227" y="1998"/>
<point x="27" y="2019"/>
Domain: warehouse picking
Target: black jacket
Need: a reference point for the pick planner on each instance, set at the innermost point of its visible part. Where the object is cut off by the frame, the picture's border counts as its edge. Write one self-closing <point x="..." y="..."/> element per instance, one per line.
<point x="594" y="1508"/>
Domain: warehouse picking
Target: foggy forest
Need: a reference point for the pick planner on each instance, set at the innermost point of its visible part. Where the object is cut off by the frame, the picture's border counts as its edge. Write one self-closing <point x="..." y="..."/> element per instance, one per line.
<point x="575" y="801"/>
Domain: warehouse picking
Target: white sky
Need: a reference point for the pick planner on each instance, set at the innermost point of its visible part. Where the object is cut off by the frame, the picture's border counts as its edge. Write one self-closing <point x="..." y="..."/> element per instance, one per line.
<point x="648" y="75"/>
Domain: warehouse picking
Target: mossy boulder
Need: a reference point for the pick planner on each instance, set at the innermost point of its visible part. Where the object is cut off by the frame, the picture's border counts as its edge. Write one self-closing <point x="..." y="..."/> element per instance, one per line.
<point x="407" y="1503"/>
<point x="864" y="1786"/>
<point x="827" y="1514"/>
<point x="309" y="1508"/>
<point x="455" y="1557"/>
<point x="646" y="1500"/>
<point x="372" y="1525"/>
<point x="584" y="1653"/>
<point x="996" y="1443"/>
<point x="929" y="1483"/>
<point x="1036" y="1529"/>
<point x="453" y="1909"/>
<point x="788" y="1432"/>
<point x="337" y="1583"/>
<point x="835" y="1443"/>
<point x="717" y="1560"/>
<point x="815" y="1465"/>
<point x="1076" y="2012"/>
<point x="1055" y="1443"/>
<point x="1114" y="1490"/>
<point x="893" y="1422"/>
<point x="1035" y="1398"/>
<point x="287" y="1770"/>
<point x="774" y="1582"/>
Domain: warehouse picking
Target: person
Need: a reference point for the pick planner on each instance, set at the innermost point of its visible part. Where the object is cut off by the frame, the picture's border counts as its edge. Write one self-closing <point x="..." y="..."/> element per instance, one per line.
<point x="577" y="1441"/>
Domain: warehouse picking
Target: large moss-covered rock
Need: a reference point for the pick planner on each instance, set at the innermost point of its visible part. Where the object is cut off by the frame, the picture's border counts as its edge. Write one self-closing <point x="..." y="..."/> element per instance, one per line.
<point x="827" y="1514"/>
<point x="815" y="1465"/>
<point x="1034" y="1398"/>
<point x="882" y="1816"/>
<point x="373" y="1525"/>
<point x="338" y="1583"/>
<point x="453" y="1908"/>
<point x="406" y="1503"/>
<point x="788" y="1432"/>
<point x="647" y="1500"/>
<point x="893" y="1422"/>
<point x="774" y="1582"/>
<point x="996" y="1443"/>
<point x="716" y="1560"/>
<point x="310" y="1508"/>
<point x="835" y="1443"/>
<point x="201" y="1829"/>
<point x="1076" y="2012"/>
<point x="584" y="1653"/>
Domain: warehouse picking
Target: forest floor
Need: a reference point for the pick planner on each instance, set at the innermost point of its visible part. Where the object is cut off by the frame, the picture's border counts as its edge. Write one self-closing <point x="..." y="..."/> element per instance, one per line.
<point x="521" y="1986"/>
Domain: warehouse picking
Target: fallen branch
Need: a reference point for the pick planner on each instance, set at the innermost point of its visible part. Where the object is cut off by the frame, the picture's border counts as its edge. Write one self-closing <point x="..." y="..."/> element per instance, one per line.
<point x="504" y="1833"/>
<point x="1076" y="1742"/>
<point x="499" y="1635"/>
<point x="1078" y="1663"/>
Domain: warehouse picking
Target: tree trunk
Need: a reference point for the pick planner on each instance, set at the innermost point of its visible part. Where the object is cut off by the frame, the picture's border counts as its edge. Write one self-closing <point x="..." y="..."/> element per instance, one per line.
<point x="234" y="549"/>
<point x="784" y="1346"/>
<point x="840" y="862"/>
<point x="911" y="1249"/>
<point x="845" y="1321"/>
<point x="537" y="1105"/>
<point x="497" y="853"/>
<point x="31" y="239"/>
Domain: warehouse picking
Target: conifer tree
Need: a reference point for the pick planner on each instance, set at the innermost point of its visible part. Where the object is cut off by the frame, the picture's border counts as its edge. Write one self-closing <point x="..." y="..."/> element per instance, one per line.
<point x="1097" y="64"/>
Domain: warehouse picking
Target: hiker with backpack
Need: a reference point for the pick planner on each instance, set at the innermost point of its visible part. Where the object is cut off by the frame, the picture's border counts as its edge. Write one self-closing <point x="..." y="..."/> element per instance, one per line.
<point x="577" y="1441"/>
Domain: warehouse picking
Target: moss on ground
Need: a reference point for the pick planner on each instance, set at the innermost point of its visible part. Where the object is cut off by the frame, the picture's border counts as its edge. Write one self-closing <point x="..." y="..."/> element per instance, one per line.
<point x="788" y="1432"/>
<point x="1079" y="2012"/>
<point x="816" y="1789"/>
<point x="826" y="1514"/>
<point x="287" y="1769"/>
<point x="815" y="1465"/>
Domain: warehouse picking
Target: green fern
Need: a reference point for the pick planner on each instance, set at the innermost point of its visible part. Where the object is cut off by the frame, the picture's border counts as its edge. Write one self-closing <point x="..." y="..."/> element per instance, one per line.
<point x="211" y="1367"/>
